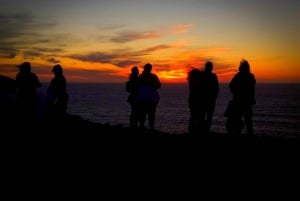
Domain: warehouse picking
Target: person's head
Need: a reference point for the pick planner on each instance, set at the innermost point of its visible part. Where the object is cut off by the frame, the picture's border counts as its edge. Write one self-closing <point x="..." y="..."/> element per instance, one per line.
<point x="208" y="66"/>
<point x="57" y="69"/>
<point x="194" y="75"/>
<point x="244" y="66"/>
<point x="134" y="71"/>
<point x="147" y="68"/>
<point x="25" y="67"/>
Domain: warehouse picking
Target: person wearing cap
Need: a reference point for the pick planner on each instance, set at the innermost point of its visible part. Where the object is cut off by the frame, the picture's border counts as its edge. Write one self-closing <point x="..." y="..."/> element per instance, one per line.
<point x="26" y="84"/>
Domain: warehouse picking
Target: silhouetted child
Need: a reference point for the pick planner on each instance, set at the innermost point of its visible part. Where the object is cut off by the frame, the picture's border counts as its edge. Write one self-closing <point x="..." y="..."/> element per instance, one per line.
<point x="234" y="122"/>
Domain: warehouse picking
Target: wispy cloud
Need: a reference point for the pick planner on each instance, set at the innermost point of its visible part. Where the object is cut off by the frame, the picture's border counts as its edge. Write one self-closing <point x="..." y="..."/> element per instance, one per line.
<point x="19" y="25"/>
<point x="129" y="36"/>
<point x="53" y="60"/>
<point x="156" y="48"/>
<point x="95" y="57"/>
<point x="181" y="28"/>
<point x="20" y="33"/>
<point x="118" y="57"/>
<point x="6" y="52"/>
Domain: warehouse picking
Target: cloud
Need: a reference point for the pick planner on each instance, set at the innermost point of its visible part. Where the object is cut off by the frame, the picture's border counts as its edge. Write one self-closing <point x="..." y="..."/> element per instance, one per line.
<point x="9" y="53"/>
<point x="19" y="31"/>
<point x="118" y="57"/>
<point x="156" y="48"/>
<point x="181" y="28"/>
<point x="125" y="37"/>
<point x="53" y="60"/>
<point x="31" y="54"/>
<point x="94" y="57"/>
<point x="20" y="25"/>
<point x="125" y="63"/>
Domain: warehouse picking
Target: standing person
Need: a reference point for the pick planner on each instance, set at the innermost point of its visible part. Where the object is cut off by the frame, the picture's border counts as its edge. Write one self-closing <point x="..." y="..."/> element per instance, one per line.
<point x="57" y="96"/>
<point x="242" y="87"/>
<point x="211" y="90"/>
<point x="132" y="88"/>
<point x="196" y="100"/>
<point x="26" y="85"/>
<point x="203" y="92"/>
<point x="148" y="97"/>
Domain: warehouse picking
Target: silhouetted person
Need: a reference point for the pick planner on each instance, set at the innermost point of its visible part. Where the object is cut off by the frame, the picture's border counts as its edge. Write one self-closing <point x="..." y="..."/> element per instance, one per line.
<point x="196" y="100"/>
<point x="132" y="86"/>
<point x="7" y="101"/>
<point x="148" y="97"/>
<point x="242" y="87"/>
<point x="57" y="97"/>
<point x="203" y="92"/>
<point x="26" y="85"/>
<point x="234" y="122"/>
<point x="211" y="90"/>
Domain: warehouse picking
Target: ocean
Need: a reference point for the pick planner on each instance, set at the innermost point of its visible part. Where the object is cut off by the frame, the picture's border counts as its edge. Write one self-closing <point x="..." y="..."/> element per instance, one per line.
<point x="276" y="113"/>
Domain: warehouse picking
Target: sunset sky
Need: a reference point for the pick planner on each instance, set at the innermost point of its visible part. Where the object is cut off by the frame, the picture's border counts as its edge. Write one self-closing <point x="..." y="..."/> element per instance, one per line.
<point x="100" y="40"/>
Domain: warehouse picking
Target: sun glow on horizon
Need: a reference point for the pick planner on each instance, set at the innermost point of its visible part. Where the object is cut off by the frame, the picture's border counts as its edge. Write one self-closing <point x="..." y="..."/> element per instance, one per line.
<point x="107" y="39"/>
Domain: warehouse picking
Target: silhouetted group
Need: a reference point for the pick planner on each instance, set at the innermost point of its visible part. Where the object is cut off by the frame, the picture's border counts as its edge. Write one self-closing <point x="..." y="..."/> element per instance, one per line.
<point x="203" y="92"/>
<point x="143" y="96"/>
<point x="27" y="99"/>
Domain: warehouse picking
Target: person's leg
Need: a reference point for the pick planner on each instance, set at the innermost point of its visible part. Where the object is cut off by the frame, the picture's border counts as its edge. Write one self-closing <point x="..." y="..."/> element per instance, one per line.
<point x="151" y="112"/>
<point x="209" y="117"/>
<point x="142" y="112"/>
<point x="248" y="120"/>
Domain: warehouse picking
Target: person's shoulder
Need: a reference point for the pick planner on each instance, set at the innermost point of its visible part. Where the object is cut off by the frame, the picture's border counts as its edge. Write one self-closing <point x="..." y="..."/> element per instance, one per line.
<point x="214" y="75"/>
<point x="154" y="75"/>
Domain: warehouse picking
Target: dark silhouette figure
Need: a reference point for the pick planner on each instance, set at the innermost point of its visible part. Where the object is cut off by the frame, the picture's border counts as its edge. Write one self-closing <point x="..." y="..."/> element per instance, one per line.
<point x="132" y="88"/>
<point x="26" y="85"/>
<point x="57" y="97"/>
<point x="148" y="97"/>
<point x="211" y="90"/>
<point x="195" y="100"/>
<point x="234" y="122"/>
<point x="7" y="101"/>
<point x="203" y="92"/>
<point x="242" y="87"/>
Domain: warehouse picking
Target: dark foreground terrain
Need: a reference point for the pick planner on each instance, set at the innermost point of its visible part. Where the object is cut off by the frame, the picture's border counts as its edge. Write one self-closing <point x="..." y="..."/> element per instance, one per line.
<point x="76" y="157"/>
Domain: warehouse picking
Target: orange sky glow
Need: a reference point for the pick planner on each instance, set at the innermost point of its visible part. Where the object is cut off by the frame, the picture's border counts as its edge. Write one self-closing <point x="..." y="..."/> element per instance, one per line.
<point x="107" y="39"/>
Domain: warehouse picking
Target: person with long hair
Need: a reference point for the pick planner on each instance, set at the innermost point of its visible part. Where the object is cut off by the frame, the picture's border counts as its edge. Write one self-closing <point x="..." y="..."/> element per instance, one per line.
<point x="242" y="87"/>
<point x="57" y="94"/>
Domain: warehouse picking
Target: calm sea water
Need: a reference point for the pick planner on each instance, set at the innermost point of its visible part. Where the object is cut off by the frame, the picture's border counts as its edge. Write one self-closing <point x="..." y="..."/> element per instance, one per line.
<point x="277" y="111"/>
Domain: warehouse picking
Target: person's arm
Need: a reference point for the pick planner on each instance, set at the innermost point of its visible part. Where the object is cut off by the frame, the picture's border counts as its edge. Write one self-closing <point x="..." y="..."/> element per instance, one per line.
<point x="157" y="82"/>
<point x="36" y="81"/>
